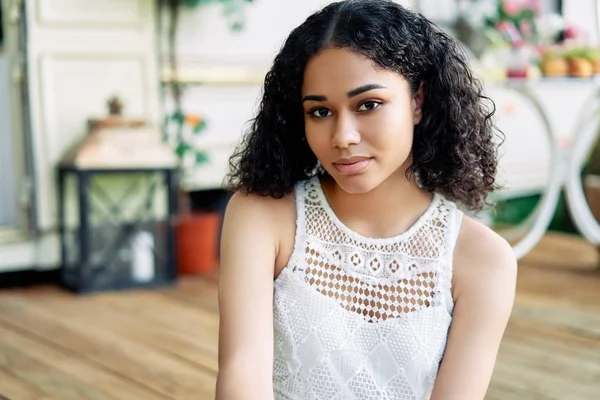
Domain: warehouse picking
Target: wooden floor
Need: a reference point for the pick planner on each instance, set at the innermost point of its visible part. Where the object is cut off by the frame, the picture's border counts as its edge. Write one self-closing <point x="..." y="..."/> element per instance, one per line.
<point x="162" y="344"/>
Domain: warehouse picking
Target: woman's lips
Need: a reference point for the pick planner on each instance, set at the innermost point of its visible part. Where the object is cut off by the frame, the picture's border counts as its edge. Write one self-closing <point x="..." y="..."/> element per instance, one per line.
<point x="352" y="165"/>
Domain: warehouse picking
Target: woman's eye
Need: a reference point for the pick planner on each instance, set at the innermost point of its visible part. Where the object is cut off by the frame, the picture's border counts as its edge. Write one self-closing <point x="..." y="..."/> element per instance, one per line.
<point x="320" y="113"/>
<point x="368" y="106"/>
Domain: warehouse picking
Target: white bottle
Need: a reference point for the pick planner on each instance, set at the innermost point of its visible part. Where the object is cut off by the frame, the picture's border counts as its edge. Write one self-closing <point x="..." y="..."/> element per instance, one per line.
<point x="142" y="266"/>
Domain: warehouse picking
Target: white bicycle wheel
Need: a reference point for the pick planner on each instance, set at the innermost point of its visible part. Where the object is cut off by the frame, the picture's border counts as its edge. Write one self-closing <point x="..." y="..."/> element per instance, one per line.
<point x="586" y="136"/>
<point x="528" y="233"/>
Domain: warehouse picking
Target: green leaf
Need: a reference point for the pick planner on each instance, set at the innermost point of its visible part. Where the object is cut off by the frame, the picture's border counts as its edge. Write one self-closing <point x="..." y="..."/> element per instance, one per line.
<point x="200" y="127"/>
<point x="181" y="149"/>
<point x="192" y="3"/>
<point x="237" y="26"/>
<point x="178" y="116"/>
<point x="201" y="157"/>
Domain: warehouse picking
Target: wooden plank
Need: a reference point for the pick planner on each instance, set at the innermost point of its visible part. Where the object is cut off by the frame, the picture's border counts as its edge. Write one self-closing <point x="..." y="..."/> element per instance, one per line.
<point x="45" y="377"/>
<point x="500" y="391"/>
<point x="569" y="287"/>
<point x="172" y="323"/>
<point x="529" y="382"/>
<point x="195" y="344"/>
<point x="14" y="388"/>
<point x="560" y="249"/>
<point x="163" y="311"/>
<point x="196" y="292"/>
<point x="548" y="335"/>
<point x="142" y="364"/>
<point x="541" y="372"/>
<point x="77" y="368"/>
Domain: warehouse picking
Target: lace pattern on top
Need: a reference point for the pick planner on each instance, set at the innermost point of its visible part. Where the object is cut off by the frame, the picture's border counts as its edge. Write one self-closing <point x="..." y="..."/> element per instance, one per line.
<point x="376" y="278"/>
<point x="358" y="317"/>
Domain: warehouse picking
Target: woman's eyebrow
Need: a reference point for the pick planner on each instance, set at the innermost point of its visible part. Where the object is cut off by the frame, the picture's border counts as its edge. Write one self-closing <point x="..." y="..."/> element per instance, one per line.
<point x="352" y="93"/>
<point x="314" y="97"/>
<point x="364" y="88"/>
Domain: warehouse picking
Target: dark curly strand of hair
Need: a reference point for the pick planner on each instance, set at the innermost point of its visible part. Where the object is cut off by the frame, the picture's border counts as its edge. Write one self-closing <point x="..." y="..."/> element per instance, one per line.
<point x="454" y="151"/>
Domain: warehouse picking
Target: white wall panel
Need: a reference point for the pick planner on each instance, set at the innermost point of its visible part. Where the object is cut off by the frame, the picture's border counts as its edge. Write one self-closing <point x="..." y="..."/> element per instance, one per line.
<point x="107" y="12"/>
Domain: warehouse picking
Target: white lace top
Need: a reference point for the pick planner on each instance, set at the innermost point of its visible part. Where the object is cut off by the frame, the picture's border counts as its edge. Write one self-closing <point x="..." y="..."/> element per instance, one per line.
<point x="358" y="317"/>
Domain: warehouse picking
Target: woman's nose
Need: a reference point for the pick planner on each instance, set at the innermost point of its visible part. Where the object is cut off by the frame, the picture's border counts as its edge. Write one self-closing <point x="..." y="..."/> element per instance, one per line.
<point x="346" y="133"/>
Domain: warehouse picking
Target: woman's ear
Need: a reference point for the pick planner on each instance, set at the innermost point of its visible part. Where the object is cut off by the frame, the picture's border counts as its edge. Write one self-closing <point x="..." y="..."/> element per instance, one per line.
<point x="417" y="102"/>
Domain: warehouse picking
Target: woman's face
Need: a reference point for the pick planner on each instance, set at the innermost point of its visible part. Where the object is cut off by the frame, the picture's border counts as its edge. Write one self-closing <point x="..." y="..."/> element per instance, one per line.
<point x="359" y="119"/>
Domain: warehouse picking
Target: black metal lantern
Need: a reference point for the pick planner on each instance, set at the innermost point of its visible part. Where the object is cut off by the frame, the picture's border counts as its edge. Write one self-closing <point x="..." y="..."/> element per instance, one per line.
<point x="117" y="195"/>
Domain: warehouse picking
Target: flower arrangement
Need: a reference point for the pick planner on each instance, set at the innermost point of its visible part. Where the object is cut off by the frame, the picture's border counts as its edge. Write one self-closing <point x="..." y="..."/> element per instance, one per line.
<point x="544" y="41"/>
<point x="515" y="20"/>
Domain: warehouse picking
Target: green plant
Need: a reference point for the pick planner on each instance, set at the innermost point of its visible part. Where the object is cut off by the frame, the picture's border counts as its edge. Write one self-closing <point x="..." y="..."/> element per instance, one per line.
<point x="182" y="129"/>
<point x="587" y="52"/>
<point x="515" y="20"/>
<point x="233" y="10"/>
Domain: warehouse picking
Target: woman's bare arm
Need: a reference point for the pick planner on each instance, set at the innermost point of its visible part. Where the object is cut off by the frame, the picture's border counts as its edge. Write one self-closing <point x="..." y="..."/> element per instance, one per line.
<point x="248" y="253"/>
<point x="485" y="272"/>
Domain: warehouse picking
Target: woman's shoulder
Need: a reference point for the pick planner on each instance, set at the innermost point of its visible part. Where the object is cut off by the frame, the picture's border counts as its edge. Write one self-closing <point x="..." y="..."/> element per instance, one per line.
<point x="272" y="208"/>
<point x="482" y="258"/>
<point x="269" y="209"/>
<point x="263" y="221"/>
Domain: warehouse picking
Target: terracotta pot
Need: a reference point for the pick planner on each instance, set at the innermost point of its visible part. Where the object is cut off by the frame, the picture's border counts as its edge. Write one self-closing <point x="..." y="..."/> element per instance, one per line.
<point x="197" y="242"/>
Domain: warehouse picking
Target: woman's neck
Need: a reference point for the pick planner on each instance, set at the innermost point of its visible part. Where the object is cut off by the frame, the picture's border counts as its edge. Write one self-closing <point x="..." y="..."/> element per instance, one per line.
<point x="388" y="210"/>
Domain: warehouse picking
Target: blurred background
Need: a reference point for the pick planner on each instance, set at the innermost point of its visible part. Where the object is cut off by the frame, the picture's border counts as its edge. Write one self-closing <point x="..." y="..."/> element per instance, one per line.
<point x="117" y="119"/>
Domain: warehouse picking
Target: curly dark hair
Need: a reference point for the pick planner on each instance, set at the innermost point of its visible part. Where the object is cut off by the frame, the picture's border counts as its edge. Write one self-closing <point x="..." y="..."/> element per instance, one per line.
<point x="454" y="152"/>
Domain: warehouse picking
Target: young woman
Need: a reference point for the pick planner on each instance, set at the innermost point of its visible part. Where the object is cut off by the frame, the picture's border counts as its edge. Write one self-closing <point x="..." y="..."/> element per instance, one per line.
<point x="348" y="268"/>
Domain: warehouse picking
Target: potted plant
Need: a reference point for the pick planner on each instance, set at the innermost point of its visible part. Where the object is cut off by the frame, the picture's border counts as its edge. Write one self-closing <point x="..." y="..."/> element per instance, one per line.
<point x="197" y="232"/>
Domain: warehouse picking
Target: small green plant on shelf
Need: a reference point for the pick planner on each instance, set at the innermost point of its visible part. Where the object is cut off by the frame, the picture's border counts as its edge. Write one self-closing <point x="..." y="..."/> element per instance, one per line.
<point x="233" y="9"/>
<point x="182" y="132"/>
<point x="182" y="129"/>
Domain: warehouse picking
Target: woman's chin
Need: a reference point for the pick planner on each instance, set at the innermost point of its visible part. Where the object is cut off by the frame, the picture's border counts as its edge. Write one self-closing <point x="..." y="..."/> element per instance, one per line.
<point x="356" y="184"/>
<point x="368" y="180"/>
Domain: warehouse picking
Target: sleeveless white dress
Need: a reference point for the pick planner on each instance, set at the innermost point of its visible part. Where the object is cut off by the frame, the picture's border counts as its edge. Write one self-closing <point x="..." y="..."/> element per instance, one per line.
<point x="358" y="317"/>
